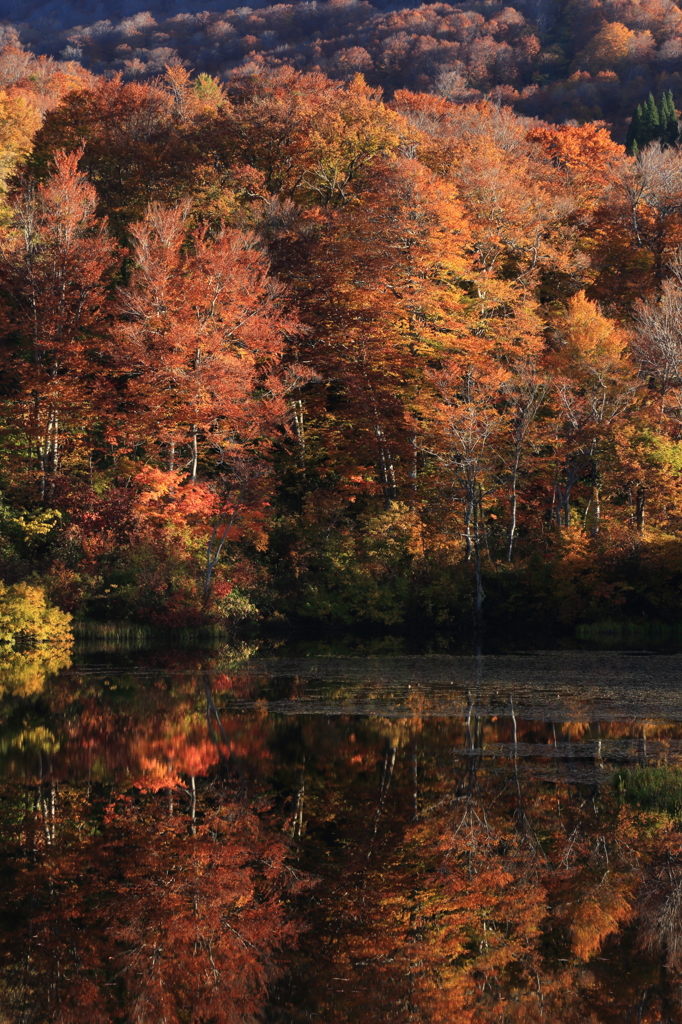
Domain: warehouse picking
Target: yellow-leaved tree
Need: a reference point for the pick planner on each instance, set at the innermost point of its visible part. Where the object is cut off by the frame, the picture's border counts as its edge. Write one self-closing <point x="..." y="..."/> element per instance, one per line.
<point x="35" y="638"/>
<point x="19" y="121"/>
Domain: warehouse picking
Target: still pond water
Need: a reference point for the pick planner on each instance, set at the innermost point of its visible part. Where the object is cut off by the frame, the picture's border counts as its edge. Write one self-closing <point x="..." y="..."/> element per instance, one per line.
<point x="343" y="840"/>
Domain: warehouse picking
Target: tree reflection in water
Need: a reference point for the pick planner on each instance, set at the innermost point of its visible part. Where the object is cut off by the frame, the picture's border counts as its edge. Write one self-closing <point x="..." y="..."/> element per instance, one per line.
<point x="170" y="857"/>
<point x="154" y="887"/>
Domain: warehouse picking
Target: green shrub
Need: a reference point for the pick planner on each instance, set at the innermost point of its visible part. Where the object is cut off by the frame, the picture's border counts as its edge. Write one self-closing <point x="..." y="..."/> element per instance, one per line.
<point x="658" y="789"/>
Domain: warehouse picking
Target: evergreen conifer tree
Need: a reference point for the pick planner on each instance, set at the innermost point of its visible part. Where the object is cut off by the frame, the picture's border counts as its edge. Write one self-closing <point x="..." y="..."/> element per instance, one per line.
<point x="651" y="121"/>
<point x="665" y="116"/>
<point x="672" y="130"/>
<point x="634" y="130"/>
<point x="663" y="113"/>
<point x="651" y="124"/>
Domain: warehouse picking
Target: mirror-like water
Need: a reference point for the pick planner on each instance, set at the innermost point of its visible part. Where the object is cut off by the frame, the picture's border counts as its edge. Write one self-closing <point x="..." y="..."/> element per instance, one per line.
<point x="343" y="840"/>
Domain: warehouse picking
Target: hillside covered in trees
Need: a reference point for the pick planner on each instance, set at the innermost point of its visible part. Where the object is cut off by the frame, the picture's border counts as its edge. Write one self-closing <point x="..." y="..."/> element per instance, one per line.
<point x="554" y="59"/>
<point x="278" y="346"/>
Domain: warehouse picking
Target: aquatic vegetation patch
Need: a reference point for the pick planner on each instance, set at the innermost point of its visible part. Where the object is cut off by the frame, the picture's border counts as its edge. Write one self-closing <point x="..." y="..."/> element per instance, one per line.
<point x="655" y="788"/>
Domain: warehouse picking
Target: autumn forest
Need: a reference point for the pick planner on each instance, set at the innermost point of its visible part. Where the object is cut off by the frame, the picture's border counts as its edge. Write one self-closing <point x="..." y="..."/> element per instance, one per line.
<point x="285" y="348"/>
<point x="340" y="434"/>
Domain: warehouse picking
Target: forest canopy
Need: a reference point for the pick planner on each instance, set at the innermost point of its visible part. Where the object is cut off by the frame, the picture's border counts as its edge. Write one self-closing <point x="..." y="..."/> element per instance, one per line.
<point x="285" y="345"/>
<point x="554" y="59"/>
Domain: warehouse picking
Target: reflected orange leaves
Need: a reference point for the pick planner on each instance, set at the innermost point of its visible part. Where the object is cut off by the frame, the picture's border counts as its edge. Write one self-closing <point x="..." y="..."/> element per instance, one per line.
<point x="158" y="741"/>
<point x="598" y="914"/>
<point x="163" y="764"/>
<point x="154" y="921"/>
<point x="172" y="881"/>
<point x="509" y="898"/>
<point x="155" y="890"/>
<point x="202" y="918"/>
<point x="575" y="730"/>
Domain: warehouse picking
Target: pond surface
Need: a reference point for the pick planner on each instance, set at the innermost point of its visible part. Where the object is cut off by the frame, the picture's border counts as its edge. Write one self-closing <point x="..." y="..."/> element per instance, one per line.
<point x="343" y="840"/>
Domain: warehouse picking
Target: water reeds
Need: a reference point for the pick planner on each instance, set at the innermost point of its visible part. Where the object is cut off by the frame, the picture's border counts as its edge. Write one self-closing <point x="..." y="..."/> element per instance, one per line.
<point x="123" y="632"/>
<point x="651" y="788"/>
<point x="629" y="631"/>
<point x="122" y="636"/>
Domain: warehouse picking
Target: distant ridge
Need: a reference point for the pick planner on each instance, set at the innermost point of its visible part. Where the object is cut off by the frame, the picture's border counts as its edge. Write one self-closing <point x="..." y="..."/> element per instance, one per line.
<point x="587" y="60"/>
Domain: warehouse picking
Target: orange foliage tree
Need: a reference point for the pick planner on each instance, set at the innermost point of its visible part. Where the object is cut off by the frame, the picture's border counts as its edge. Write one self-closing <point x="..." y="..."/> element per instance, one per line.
<point x="56" y="264"/>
